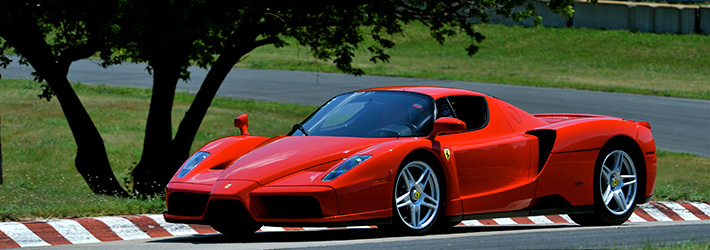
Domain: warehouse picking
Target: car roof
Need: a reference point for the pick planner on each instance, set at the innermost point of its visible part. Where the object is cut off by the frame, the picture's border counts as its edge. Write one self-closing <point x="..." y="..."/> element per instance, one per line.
<point x="434" y="92"/>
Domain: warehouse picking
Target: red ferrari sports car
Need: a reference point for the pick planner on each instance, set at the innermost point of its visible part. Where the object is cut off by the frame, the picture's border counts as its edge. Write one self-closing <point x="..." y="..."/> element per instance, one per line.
<point x="416" y="159"/>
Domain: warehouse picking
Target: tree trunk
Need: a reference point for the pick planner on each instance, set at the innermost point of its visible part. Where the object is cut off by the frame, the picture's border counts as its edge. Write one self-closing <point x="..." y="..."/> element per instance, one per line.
<point x="152" y="172"/>
<point x="91" y="159"/>
<point x="23" y="34"/>
<point x="194" y="116"/>
<point x="161" y="156"/>
<point x="243" y="43"/>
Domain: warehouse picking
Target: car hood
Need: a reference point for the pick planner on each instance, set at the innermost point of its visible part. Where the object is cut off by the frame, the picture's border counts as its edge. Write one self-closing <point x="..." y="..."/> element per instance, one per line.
<point x="282" y="156"/>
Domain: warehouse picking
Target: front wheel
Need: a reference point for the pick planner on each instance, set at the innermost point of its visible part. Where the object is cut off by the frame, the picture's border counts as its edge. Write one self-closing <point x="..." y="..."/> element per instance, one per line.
<point x="417" y="198"/>
<point x="616" y="184"/>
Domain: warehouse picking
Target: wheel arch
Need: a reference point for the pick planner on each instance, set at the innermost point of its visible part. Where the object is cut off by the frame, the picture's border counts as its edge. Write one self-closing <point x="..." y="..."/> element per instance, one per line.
<point x="616" y="215"/>
<point x="634" y="150"/>
<point x="446" y="170"/>
<point x="430" y="158"/>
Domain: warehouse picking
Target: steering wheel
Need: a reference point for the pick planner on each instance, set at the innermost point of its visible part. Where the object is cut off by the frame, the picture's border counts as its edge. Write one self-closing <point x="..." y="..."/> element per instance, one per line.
<point x="380" y="130"/>
<point x="389" y="128"/>
<point x="407" y="124"/>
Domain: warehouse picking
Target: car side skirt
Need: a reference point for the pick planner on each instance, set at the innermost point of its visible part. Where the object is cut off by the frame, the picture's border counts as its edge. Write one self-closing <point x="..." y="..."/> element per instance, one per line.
<point x="375" y="221"/>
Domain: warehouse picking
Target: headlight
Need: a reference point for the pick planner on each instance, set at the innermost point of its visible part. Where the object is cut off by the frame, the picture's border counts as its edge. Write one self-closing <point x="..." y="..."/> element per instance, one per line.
<point x="192" y="163"/>
<point x="345" y="166"/>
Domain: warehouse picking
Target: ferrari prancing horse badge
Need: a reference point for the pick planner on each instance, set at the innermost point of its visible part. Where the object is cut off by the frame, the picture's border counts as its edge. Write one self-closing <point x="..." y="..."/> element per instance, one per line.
<point x="447" y="153"/>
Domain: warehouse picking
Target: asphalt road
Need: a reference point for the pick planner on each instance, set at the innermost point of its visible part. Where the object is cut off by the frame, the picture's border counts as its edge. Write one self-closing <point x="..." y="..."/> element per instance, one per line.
<point x="680" y="125"/>
<point x="629" y="235"/>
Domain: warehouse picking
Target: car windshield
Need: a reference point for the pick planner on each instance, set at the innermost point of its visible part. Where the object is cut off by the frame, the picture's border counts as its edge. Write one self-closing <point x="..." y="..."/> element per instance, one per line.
<point x="371" y="114"/>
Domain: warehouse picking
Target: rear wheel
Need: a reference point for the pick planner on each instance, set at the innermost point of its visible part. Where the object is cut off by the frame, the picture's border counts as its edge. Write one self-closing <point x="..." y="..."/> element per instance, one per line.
<point x="418" y="200"/>
<point x="616" y="183"/>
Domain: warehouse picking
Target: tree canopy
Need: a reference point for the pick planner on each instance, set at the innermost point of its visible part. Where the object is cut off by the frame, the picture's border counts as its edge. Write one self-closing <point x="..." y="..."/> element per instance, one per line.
<point x="170" y="35"/>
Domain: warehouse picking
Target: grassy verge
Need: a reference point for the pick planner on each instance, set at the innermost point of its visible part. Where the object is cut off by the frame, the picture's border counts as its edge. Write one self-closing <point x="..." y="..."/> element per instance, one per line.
<point x="40" y="180"/>
<point x="682" y="177"/>
<point x="605" y="60"/>
<point x="681" y="245"/>
<point x="38" y="149"/>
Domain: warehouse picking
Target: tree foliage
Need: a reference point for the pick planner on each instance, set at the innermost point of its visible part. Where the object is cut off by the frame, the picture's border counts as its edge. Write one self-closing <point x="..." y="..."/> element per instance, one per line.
<point x="171" y="35"/>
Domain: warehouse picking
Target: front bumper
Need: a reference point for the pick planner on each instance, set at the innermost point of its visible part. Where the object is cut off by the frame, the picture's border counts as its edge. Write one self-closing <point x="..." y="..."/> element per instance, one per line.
<point x="270" y="205"/>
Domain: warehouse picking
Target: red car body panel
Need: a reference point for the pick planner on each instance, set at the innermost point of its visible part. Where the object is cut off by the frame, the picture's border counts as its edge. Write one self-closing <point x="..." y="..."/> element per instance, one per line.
<point x="502" y="167"/>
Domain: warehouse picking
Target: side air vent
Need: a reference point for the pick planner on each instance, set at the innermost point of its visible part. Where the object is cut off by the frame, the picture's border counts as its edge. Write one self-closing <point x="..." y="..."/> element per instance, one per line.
<point x="546" y="138"/>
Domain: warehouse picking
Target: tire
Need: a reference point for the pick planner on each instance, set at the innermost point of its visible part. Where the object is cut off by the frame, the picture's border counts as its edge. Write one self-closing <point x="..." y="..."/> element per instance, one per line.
<point x="418" y="199"/>
<point x="616" y="184"/>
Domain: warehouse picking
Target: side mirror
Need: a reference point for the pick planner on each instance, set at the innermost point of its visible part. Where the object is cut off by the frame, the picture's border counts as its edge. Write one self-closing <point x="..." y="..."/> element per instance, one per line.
<point x="242" y="123"/>
<point x="447" y="125"/>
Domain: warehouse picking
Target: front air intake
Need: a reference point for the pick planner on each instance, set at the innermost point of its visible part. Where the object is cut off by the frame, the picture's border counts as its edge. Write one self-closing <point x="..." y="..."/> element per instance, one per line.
<point x="292" y="206"/>
<point x="187" y="204"/>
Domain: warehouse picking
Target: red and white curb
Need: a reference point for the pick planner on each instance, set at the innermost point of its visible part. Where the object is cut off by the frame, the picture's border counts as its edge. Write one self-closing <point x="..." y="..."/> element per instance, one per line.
<point x="99" y="229"/>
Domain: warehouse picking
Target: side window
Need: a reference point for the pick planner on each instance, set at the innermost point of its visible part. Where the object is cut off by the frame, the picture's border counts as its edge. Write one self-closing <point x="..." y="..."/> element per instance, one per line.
<point x="472" y="110"/>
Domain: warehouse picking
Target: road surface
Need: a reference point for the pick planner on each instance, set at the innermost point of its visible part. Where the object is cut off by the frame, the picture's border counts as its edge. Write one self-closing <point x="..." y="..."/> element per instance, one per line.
<point x="570" y="236"/>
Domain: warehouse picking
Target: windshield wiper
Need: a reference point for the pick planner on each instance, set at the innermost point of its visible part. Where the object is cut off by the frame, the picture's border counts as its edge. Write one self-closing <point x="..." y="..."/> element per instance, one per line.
<point x="300" y="127"/>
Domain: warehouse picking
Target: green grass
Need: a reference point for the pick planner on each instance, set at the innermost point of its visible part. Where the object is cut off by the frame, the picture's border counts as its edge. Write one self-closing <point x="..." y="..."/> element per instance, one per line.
<point x="682" y="177"/>
<point x="605" y="60"/>
<point x="38" y="150"/>
<point x="681" y="245"/>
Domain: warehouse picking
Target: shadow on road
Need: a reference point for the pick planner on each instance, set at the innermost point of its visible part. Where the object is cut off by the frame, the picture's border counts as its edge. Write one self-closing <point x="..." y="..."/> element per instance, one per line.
<point x="339" y="234"/>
